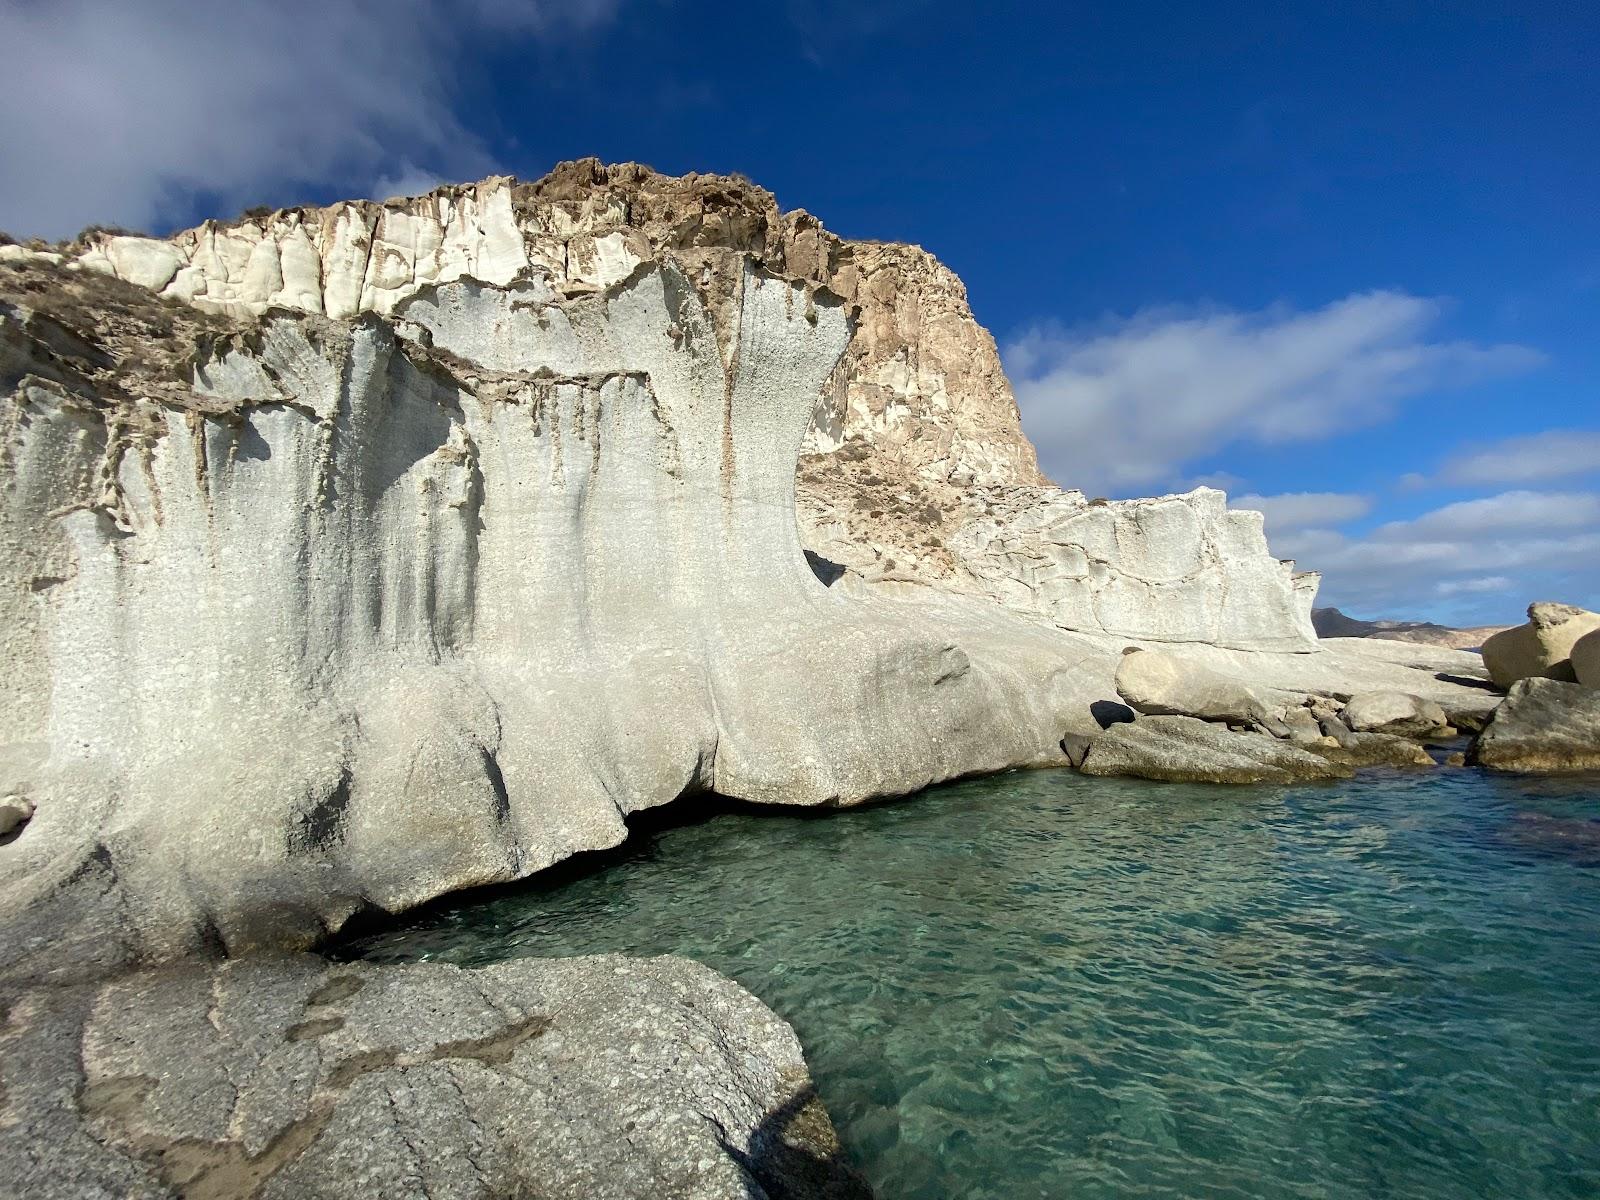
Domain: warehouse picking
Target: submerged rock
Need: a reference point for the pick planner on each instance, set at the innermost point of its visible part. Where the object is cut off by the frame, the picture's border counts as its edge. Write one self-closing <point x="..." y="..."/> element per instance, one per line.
<point x="1185" y="750"/>
<point x="1543" y="725"/>
<point x="1541" y="648"/>
<point x="292" y="1079"/>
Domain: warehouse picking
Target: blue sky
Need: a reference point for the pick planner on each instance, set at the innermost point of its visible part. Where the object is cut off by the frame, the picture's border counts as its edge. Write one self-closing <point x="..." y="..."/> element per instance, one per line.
<point x="1343" y="260"/>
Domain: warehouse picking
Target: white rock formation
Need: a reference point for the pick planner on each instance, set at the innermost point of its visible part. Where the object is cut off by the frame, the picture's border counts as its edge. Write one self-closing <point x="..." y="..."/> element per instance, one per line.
<point x="915" y="467"/>
<point x="398" y="548"/>
<point x="377" y="610"/>
<point x="1174" y="569"/>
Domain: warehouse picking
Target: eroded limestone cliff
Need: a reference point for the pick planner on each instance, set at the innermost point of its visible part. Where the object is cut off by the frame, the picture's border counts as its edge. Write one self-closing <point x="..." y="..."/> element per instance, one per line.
<point x="310" y="615"/>
<point x="915" y="469"/>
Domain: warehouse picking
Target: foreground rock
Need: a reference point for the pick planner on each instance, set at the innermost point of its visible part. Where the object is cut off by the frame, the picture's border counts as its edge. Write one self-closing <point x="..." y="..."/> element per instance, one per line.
<point x="1543" y="725"/>
<point x="1541" y="648"/>
<point x="1186" y="750"/>
<point x="575" y="1079"/>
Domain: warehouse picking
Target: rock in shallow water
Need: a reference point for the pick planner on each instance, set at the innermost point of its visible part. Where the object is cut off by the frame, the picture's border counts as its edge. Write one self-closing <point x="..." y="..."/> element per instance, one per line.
<point x="1184" y="750"/>
<point x="296" y="1079"/>
<point x="1543" y="725"/>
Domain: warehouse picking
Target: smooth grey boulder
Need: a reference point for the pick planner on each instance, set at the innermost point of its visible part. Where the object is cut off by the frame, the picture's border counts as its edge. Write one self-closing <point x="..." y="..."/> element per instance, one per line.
<point x="1540" y="648"/>
<point x="1586" y="659"/>
<point x="295" y="1079"/>
<point x="1158" y="684"/>
<point x="1543" y="725"/>
<point x="1187" y="750"/>
<point x="1394" y="712"/>
<point x="1303" y="727"/>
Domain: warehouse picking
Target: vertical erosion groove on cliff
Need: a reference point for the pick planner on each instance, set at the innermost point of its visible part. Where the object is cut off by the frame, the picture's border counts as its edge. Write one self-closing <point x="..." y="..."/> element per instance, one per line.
<point x="377" y="609"/>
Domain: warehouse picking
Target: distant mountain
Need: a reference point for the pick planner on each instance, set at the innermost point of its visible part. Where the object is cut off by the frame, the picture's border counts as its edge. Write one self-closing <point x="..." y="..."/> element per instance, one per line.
<point x="1330" y="622"/>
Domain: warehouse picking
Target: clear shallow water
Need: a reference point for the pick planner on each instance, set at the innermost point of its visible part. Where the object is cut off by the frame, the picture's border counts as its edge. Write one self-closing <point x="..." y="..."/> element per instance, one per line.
<point x="1043" y="985"/>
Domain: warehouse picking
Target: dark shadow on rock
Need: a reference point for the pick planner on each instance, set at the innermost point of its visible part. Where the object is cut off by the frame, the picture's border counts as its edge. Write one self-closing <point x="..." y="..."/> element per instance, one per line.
<point x="1108" y="713"/>
<point x="1483" y="685"/>
<point x="824" y="569"/>
<point x="795" y="1154"/>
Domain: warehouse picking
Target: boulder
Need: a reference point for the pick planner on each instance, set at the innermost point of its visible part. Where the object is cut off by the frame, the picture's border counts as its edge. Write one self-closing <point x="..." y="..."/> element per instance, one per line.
<point x="1376" y="750"/>
<point x="1394" y="712"/>
<point x="1586" y="659"/>
<point x="15" y="812"/>
<point x="1159" y="684"/>
<point x="1543" y="725"/>
<point x="299" y="1079"/>
<point x="1303" y="727"/>
<point x="1541" y="648"/>
<point x="1186" y="750"/>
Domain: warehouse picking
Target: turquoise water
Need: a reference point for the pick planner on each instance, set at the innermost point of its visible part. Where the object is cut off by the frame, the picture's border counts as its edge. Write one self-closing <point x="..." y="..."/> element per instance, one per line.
<point x="1043" y="985"/>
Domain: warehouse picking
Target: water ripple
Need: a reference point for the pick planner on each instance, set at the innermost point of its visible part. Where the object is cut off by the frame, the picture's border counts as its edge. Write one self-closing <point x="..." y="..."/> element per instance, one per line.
<point x="1041" y="985"/>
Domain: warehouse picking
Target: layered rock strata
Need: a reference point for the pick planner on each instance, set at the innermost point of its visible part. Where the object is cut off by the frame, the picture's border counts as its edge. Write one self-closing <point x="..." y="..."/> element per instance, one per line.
<point x="578" y="1079"/>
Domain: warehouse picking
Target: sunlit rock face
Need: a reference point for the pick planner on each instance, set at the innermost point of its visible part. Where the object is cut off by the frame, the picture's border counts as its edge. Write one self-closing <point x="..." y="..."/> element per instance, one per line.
<point x="310" y="616"/>
<point x="359" y="554"/>
<point x="911" y="467"/>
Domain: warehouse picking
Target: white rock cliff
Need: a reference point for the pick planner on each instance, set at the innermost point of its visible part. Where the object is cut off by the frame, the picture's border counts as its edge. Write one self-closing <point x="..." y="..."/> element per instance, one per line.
<point x="355" y="555"/>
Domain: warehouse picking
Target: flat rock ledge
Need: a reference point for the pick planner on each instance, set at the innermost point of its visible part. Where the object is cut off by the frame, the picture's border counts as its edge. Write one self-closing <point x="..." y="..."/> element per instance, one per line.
<point x="296" y="1079"/>
<point x="1186" y="750"/>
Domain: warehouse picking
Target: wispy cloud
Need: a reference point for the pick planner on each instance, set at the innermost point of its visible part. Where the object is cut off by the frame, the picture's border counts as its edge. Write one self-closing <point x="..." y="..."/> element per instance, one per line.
<point x="1300" y="510"/>
<point x="1533" y="458"/>
<point x="1490" y="556"/>
<point x="1470" y="587"/>
<point x="123" y="111"/>
<point x="1123" y="406"/>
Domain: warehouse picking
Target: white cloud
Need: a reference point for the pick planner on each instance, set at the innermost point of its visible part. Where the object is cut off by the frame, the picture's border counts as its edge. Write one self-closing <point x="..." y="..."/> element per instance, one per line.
<point x="122" y="111"/>
<point x="1123" y="406"/>
<point x="1483" y="559"/>
<point x="1533" y="458"/>
<point x="1484" y="583"/>
<point x="1507" y="512"/>
<point x="1300" y="510"/>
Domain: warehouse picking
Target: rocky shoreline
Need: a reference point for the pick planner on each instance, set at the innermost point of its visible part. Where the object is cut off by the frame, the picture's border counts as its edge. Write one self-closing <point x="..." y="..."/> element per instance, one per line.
<point x="358" y="555"/>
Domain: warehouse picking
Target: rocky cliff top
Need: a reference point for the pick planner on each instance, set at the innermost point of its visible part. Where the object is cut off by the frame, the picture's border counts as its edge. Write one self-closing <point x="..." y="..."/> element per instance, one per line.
<point x="915" y="469"/>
